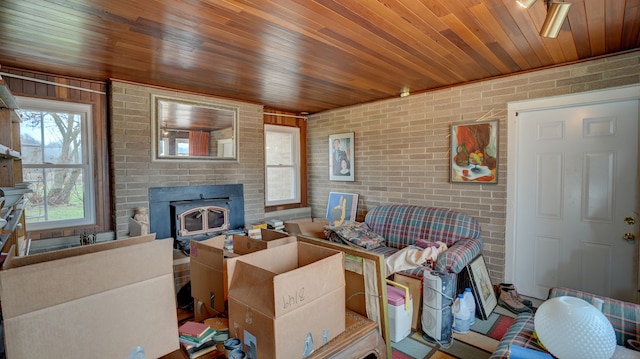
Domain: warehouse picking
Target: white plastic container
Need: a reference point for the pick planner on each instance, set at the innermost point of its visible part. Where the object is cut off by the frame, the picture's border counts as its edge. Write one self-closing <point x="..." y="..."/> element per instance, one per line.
<point x="471" y="304"/>
<point x="460" y="315"/>
<point x="400" y="312"/>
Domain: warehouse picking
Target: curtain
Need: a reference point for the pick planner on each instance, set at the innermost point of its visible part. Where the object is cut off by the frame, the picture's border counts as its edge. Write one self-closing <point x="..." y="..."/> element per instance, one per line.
<point x="198" y="143"/>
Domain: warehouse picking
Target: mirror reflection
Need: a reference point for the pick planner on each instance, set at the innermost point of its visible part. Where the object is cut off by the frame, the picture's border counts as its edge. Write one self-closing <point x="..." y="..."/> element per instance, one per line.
<point x="193" y="130"/>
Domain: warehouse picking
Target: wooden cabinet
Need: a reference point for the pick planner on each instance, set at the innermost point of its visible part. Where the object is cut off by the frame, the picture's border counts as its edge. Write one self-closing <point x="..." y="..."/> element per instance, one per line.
<point x="14" y="231"/>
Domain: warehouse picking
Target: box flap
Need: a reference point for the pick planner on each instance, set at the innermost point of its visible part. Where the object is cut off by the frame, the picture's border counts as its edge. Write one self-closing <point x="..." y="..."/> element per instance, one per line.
<point x="99" y="301"/>
<point x="245" y="244"/>
<point x="105" y="325"/>
<point x="208" y="252"/>
<point x="302" y="286"/>
<point x="78" y="275"/>
<point x="208" y="271"/>
<point x="286" y="254"/>
<point x="256" y="288"/>
<point x="270" y="234"/>
<point x="276" y="280"/>
<point x="306" y="227"/>
<point x="13" y="261"/>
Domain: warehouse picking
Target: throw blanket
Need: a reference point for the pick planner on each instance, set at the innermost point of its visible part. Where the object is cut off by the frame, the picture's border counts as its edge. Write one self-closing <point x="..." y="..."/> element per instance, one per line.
<point x="412" y="256"/>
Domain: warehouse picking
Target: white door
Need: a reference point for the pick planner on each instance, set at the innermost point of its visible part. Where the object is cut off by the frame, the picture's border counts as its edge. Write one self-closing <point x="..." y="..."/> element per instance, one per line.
<point x="576" y="184"/>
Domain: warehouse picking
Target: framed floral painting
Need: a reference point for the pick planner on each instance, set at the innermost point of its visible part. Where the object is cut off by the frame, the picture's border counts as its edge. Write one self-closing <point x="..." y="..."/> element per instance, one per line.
<point x="474" y="152"/>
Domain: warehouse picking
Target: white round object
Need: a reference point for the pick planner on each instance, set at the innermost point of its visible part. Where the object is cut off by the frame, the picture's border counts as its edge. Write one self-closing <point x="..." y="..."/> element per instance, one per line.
<point x="570" y="327"/>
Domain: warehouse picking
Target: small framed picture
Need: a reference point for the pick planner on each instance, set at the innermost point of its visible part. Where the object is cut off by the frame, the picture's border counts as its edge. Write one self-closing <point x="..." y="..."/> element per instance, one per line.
<point x="474" y="152"/>
<point x="342" y="208"/>
<point x="482" y="287"/>
<point x="341" y="157"/>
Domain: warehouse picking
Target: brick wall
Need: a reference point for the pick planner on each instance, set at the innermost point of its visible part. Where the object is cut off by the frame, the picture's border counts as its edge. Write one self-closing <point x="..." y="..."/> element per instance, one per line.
<point x="133" y="172"/>
<point x="402" y="144"/>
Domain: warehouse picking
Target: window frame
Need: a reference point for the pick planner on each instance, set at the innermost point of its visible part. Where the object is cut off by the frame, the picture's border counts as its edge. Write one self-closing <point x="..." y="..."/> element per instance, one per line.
<point x="296" y="165"/>
<point x="88" y="161"/>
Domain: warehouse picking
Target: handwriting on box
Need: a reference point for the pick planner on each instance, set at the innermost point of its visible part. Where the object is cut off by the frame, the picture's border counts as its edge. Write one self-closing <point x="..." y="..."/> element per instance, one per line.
<point x="292" y="300"/>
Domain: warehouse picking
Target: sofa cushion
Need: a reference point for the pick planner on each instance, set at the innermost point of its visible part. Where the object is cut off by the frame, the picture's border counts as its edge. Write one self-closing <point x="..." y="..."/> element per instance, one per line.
<point x="520" y="333"/>
<point x="402" y="224"/>
<point x="355" y="233"/>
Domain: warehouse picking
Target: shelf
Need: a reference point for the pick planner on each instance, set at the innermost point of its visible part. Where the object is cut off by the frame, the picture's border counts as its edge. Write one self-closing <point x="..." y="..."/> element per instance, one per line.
<point x="12" y="217"/>
<point x="6" y="152"/>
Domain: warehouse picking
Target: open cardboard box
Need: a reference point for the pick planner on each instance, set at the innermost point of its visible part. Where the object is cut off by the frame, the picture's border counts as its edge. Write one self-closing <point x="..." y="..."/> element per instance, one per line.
<point x="107" y="300"/>
<point x="307" y="227"/>
<point x="287" y="300"/>
<point x="209" y="280"/>
<point x="269" y="238"/>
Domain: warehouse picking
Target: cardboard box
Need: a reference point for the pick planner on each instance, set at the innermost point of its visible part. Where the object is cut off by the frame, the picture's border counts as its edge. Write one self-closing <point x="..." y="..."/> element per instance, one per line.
<point x="307" y="227"/>
<point x="269" y="239"/>
<point x="202" y="311"/>
<point x="209" y="273"/>
<point x="106" y="300"/>
<point x="209" y="280"/>
<point x="282" y="298"/>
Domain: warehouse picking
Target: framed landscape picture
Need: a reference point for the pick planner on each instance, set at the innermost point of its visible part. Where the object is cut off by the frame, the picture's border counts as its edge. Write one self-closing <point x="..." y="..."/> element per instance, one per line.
<point x="481" y="287"/>
<point x="474" y="152"/>
<point x="341" y="157"/>
<point x="342" y="208"/>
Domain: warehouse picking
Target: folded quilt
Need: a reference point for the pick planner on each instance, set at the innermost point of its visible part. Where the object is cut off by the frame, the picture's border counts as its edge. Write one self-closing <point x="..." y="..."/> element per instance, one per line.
<point x="355" y="234"/>
<point x="412" y="256"/>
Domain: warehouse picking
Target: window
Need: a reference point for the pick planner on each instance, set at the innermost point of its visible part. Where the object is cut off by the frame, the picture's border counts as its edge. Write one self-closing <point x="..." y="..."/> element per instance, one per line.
<point x="57" y="160"/>
<point x="164" y="147"/>
<point x="182" y="146"/>
<point x="282" y="152"/>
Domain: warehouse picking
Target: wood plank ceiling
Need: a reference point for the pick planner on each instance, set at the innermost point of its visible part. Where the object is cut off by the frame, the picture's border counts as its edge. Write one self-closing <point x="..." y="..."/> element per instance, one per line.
<point x="304" y="55"/>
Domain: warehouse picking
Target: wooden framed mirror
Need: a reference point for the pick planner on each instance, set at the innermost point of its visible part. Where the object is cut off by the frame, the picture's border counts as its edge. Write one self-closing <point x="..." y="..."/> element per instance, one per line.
<point x="191" y="130"/>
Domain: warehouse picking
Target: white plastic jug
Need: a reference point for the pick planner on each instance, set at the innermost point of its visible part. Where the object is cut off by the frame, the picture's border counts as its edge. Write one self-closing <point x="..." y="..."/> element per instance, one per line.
<point x="471" y="304"/>
<point x="460" y="315"/>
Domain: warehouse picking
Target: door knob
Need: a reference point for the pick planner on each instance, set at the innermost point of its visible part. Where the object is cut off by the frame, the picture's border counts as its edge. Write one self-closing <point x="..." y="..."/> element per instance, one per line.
<point x="630" y="220"/>
<point x="629" y="237"/>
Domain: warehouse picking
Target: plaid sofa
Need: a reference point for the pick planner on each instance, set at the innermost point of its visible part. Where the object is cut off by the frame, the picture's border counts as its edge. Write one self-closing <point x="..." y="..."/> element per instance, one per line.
<point x="624" y="317"/>
<point x="402" y="225"/>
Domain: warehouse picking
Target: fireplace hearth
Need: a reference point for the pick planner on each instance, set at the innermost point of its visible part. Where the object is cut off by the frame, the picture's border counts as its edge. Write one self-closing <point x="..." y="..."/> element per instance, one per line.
<point x="188" y="213"/>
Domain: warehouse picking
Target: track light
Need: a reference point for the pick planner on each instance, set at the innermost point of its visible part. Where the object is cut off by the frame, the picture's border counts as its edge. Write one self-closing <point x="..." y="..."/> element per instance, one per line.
<point x="556" y="14"/>
<point x="526" y="3"/>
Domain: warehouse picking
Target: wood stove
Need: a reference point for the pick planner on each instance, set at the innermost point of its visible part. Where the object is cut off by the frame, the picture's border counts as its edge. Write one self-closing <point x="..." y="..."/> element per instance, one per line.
<point x="195" y="212"/>
<point x="199" y="217"/>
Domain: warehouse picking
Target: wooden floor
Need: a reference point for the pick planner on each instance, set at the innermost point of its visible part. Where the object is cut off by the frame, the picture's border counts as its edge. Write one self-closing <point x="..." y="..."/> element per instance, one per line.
<point x="179" y="354"/>
<point x="441" y="355"/>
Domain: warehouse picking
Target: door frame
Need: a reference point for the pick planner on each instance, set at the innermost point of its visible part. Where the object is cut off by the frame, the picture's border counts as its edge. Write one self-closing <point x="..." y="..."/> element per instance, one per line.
<point x="577" y="99"/>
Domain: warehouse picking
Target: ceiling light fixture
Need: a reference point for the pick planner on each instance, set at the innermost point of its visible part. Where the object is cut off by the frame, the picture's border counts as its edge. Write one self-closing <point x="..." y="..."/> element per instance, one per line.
<point x="526" y="3"/>
<point x="405" y="92"/>
<point x="556" y="14"/>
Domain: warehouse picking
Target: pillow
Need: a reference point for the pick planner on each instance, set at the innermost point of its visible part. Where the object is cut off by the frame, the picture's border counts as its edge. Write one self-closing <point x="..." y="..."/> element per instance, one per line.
<point x="358" y="234"/>
<point x="425" y="243"/>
